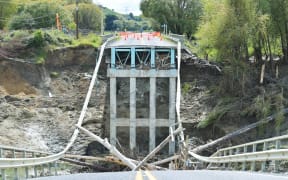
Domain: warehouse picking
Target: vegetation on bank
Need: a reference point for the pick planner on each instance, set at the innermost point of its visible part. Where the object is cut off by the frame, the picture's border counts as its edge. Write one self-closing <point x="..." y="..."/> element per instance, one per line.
<point x="248" y="38"/>
<point x="35" y="44"/>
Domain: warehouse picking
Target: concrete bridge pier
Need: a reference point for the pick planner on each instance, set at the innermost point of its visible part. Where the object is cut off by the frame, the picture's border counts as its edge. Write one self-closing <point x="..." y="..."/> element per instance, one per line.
<point x="138" y="63"/>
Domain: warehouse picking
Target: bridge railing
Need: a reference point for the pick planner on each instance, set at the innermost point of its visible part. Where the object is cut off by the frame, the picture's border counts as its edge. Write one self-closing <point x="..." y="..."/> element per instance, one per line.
<point x="181" y="38"/>
<point x="8" y="169"/>
<point x="262" y="155"/>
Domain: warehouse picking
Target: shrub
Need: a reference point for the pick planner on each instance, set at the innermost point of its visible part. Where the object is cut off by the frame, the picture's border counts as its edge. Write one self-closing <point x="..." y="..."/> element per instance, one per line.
<point x="21" y="21"/>
<point x="37" y="40"/>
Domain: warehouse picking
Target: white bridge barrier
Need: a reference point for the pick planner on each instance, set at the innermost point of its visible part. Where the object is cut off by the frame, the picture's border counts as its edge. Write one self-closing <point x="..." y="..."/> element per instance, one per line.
<point x="262" y="151"/>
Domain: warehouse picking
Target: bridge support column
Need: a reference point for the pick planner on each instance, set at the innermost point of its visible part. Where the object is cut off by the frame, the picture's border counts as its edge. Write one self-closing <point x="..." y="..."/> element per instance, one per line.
<point x="172" y="110"/>
<point x="132" y="113"/>
<point x="152" y="114"/>
<point x="113" y="111"/>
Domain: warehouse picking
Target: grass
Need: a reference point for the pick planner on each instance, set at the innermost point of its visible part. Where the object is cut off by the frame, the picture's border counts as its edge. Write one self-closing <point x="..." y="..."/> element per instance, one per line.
<point x="90" y="40"/>
<point x="54" y="74"/>
<point x="217" y="113"/>
<point x="38" y="43"/>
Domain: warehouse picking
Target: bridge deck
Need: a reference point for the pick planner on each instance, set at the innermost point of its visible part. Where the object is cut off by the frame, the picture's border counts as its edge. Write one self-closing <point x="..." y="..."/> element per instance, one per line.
<point x="167" y="175"/>
<point x="141" y="40"/>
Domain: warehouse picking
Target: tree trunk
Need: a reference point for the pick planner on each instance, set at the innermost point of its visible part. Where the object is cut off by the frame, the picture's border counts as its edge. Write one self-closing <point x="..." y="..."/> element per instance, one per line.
<point x="257" y="52"/>
<point x="246" y="52"/>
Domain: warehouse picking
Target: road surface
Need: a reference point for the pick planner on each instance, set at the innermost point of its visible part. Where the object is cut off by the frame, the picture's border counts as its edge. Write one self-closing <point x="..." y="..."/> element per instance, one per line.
<point x="171" y="175"/>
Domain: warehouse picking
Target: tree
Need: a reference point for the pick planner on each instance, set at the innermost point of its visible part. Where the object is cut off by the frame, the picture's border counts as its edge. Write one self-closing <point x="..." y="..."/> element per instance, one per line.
<point x="227" y="27"/>
<point x="181" y="16"/>
<point x="7" y="9"/>
<point x="21" y="21"/>
<point x="90" y="17"/>
<point x="109" y="22"/>
<point x="43" y="14"/>
<point x="79" y="1"/>
<point x="279" y="15"/>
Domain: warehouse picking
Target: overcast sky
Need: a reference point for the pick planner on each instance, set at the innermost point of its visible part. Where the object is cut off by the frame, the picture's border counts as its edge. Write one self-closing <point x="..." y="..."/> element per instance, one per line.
<point x="122" y="6"/>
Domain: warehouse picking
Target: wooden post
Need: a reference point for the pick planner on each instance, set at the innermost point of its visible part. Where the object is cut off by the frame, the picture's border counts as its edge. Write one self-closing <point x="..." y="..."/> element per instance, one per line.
<point x="262" y="73"/>
<point x="277" y="71"/>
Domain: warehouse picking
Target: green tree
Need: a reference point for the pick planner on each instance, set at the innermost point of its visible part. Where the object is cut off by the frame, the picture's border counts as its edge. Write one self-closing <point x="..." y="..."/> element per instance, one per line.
<point x="43" y="14"/>
<point x="90" y="17"/>
<point x="7" y="9"/>
<point x="228" y="27"/>
<point x="109" y="22"/>
<point x="21" y="21"/>
<point x="79" y="1"/>
<point x="279" y="15"/>
<point x="181" y="16"/>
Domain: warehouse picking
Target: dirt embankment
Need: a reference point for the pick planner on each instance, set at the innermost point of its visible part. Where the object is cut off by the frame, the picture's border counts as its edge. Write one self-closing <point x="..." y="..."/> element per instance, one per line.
<point x="39" y="104"/>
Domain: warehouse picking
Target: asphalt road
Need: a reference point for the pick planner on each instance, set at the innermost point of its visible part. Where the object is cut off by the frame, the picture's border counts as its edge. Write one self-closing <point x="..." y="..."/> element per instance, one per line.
<point x="170" y="175"/>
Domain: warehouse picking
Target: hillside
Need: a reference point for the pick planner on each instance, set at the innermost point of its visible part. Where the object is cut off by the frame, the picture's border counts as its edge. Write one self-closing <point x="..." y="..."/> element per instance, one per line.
<point x="115" y="21"/>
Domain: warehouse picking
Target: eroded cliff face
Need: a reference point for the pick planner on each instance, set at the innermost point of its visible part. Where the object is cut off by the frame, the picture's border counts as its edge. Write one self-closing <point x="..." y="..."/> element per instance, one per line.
<point x="39" y="104"/>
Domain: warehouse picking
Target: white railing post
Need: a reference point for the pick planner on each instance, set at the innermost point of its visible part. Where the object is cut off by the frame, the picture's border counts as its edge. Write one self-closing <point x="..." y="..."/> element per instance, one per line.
<point x="263" y="164"/>
<point x="237" y="152"/>
<point x="252" y="168"/>
<point x="277" y="163"/>
<point x="230" y="163"/>
<point x="3" y="174"/>
<point x="16" y="174"/>
<point x="34" y="167"/>
<point x="244" y="163"/>
<point x="26" y="168"/>
<point x="224" y="164"/>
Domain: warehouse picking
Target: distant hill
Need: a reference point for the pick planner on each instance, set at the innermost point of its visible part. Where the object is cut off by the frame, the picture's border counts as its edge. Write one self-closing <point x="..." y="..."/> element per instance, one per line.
<point x="115" y="21"/>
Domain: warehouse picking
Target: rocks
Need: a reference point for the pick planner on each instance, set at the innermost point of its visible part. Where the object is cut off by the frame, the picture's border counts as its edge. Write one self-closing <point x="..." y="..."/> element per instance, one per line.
<point x="95" y="149"/>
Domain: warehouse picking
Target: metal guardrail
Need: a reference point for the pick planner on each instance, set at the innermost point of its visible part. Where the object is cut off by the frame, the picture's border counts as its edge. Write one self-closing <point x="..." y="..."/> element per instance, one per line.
<point x="262" y="152"/>
<point x="181" y="38"/>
